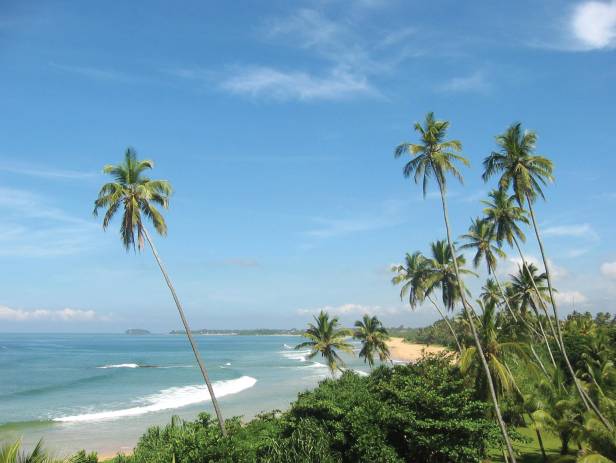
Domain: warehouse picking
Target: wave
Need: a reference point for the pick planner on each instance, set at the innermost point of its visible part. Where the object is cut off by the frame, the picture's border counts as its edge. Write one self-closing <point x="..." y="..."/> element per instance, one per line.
<point x="136" y="365"/>
<point x="301" y="355"/>
<point x="120" y="365"/>
<point x="361" y="373"/>
<point x="316" y="365"/>
<point x="167" y="399"/>
<point x="286" y="346"/>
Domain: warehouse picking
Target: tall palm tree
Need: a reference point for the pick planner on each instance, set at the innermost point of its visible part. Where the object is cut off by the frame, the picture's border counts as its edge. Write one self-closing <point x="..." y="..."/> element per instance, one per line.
<point x="528" y="290"/>
<point x="526" y="173"/>
<point x="326" y="338"/>
<point x="138" y="196"/>
<point x="373" y="336"/>
<point x="414" y="275"/>
<point x="435" y="157"/>
<point x="481" y="237"/>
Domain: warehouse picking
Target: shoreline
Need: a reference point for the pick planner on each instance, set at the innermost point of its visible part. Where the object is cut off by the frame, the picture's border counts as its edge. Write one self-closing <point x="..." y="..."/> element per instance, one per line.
<point x="410" y="352"/>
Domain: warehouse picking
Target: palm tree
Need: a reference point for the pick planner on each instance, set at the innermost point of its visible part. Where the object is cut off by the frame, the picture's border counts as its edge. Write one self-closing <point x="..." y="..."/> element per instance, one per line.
<point x="496" y="351"/>
<point x="326" y="339"/>
<point x="373" y="336"/>
<point x="435" y="157"/>
<point x="414" y="275"/>
<point x="528" y="290"/>
<point x="137" y="196"/>
<point x="480" y="237"/>
<point x="526" y="173"/>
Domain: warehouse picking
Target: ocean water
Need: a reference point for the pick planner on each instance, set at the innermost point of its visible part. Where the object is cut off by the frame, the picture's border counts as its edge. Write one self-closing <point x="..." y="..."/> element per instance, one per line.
<point x="100" y="392"/>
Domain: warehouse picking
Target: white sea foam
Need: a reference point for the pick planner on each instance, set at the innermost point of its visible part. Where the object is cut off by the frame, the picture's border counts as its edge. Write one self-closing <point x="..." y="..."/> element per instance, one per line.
<point x="361" y="373"/>
<point x="120" y="365"/>
<point x="286" y="346"/>
<point x="228" y="364"/>
<point x="315" y="365"/>
<point x="167" y="399"/>
<point x="300" y="355"/>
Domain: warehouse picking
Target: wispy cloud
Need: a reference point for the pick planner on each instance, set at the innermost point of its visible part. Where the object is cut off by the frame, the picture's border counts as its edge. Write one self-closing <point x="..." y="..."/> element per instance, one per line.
<point x="94" y="73"/>
<point x="45" y="172"/>
<point x="297" y="85"/>
<point x="583" y="230"/>
<point x="351" y="309"/>
<point x="68" y="315"/>
<point x="473" y="83"/>
<point x="387" y="215"/>
<point x="32" y="227"/>
<point x="342" y="60"/>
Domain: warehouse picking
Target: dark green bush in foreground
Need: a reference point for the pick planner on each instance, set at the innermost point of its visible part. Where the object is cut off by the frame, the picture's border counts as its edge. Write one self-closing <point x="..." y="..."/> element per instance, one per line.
<point x="417" y="413"/>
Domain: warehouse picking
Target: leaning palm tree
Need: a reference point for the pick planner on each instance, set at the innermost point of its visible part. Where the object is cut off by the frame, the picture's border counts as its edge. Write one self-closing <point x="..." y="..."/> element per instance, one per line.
<point x="327" y="339"/>
<point x="435" y="157"/>
<point x="413" y="275"/>
<point x="138" y="196"/>
<point x="526" y="173"/>
<point x="373" y="336"/>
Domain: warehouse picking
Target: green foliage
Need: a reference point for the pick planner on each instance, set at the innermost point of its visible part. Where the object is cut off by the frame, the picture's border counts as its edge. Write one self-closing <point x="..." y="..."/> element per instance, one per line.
<point x="373" y="336"/>
<point x="415" y="413"/>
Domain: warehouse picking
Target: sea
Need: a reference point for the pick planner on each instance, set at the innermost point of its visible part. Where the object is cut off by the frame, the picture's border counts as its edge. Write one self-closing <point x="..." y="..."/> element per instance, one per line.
<point x="100" y="392"/>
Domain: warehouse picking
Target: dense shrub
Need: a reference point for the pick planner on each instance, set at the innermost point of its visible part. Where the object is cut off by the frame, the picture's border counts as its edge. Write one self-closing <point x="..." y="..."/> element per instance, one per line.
<point x="414" y="413"/>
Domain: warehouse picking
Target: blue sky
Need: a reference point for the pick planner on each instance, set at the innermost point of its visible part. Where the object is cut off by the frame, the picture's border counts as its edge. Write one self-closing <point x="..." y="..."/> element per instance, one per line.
<point x="276" y="123"/>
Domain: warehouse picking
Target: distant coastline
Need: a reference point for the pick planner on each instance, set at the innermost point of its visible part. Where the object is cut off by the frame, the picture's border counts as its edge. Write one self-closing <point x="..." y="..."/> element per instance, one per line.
<point x="253" y="332"/>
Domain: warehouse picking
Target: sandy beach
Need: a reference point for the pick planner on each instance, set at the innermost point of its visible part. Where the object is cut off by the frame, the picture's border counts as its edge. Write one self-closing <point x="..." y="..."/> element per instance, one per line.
<point x="408" y="352"/>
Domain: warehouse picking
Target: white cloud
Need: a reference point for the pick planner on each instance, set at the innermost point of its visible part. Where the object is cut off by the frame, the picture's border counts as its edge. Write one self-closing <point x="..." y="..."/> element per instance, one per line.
<point x="474" y="83"/>
<point x="7" y="313"/>
<point x="297" y="85"/>
<point x="570" y="297"/>
<point x="515" y="264"/>
<point x="608" y="269"/>
<point x="351" y="309"/>
<point x="593" y="24"/>
<point x="583" y="230"/>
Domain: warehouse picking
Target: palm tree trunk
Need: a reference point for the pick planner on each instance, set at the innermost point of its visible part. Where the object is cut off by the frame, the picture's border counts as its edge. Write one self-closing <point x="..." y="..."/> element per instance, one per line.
<point x="486" y="368"/>
<point x="547" y="344"/>
<point x="540" y="440"/>
<point x="448" y="323"/>
<point x="525" y="267"/>
<point x="195" y="349"/>
<point x="587" y="401"/>
<point x="500" y="288"/>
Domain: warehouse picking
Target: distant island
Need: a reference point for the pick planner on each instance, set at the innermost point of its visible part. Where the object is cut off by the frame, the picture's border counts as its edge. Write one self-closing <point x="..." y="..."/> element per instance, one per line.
<point x="253" y="332"/>
<point x="137" y="332"/>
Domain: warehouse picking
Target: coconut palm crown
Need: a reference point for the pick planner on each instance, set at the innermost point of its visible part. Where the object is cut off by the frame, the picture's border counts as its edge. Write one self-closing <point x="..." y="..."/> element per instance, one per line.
<point x="136" y="195"/>
<point x="519" y="167"/>
<point x="373" y="336"/>
<point x="327" y="339"/>
<point x="434" y="156"/>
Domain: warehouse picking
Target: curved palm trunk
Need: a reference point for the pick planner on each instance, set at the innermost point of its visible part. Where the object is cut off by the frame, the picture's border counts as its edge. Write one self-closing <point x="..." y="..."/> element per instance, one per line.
<point x="486" y="368"/>
<point x="195" y="349"/>
<point x="547" y="344"/>
<point x="585" y="398"/>
<point x="453" y="333"/>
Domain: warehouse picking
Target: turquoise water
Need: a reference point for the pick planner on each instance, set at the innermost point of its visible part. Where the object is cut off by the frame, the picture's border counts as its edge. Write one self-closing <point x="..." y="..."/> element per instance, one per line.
<point x="101" y="392"/>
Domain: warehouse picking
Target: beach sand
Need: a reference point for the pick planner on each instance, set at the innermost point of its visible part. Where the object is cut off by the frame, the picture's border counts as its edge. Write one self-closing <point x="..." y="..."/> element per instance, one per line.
<point x="408" y="352"/>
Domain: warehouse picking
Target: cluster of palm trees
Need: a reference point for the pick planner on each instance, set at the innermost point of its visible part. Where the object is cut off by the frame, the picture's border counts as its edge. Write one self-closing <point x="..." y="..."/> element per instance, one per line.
<point x="527" y="301"/>
<point x="326" y="337"/>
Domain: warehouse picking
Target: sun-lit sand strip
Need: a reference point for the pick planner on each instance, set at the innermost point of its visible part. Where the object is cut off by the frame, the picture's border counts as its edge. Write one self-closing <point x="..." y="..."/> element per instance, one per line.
<point x="407" y="352"/>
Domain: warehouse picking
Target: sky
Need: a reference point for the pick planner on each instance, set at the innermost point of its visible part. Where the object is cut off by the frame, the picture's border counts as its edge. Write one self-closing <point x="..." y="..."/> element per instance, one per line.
<point x="276" y="123"/>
